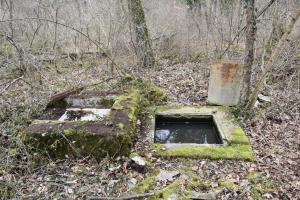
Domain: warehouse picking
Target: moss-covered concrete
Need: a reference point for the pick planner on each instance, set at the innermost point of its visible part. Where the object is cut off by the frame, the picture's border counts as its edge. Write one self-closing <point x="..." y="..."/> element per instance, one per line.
<point x="98" y="139"/>
<point x="233" y="152"/>
<point x="75" y="139"/>
<point x="236" y="145"/>
<point x="124" y="112"/>
<point x="152" y="95"/>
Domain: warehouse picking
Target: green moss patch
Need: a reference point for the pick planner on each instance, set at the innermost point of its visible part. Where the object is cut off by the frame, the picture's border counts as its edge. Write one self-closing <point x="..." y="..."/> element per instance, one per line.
<point x="239" y="137"/>
<point x="229" y="184"/>
<point x="7" y="191"/>
<point x="194" y="184"/>
<point x="260" y="185"/>
<point x="152" y="95"/>
<point x="146" y="185"/>
<point x="124" y="112"/>
<point x="233" y="152"/>
<point x="165" y="193"/>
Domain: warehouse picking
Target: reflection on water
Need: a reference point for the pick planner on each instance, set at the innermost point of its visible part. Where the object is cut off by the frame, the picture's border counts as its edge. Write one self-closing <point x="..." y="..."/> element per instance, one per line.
<point x="200" y="131"/>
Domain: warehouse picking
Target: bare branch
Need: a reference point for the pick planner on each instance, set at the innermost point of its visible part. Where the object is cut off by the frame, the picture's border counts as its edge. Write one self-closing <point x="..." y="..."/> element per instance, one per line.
<point x="67" y="26"/>
<point x="242" y="31"/>
<point x="10" y="84"/>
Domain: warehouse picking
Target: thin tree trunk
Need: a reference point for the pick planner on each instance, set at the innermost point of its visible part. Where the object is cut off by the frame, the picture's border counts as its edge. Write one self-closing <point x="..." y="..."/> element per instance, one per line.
<point x="20" y="52"/>
<point x="249" y="52"/>
<point x="283" y="40"/>
<point x="55" y="28"/>
<point x="11" y="17"/>
<point x="142" y="39"/>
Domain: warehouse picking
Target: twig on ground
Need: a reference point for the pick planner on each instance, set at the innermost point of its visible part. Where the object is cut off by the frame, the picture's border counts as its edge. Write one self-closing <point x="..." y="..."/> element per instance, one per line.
<point x="10" y="84"/>
<point x="138" y="196"/>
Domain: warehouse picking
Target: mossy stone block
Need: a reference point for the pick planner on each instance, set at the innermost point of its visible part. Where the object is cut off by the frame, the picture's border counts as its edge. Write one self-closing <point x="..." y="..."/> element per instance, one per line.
<point x="112" y="136"/>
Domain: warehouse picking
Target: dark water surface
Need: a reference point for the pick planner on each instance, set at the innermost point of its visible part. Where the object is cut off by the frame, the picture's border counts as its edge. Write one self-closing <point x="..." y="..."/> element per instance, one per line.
<point x="185" y="130"/>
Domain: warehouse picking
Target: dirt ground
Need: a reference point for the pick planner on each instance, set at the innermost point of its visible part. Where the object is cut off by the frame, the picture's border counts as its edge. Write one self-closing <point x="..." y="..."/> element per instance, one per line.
<point x="273" y="132"/>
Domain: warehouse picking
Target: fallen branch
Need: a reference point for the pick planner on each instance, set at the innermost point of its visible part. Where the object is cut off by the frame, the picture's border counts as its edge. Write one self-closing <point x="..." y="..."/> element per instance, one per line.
<point x="60" y="96"/>
<point x="138" y="196"/>
<point x="10" y="84"/>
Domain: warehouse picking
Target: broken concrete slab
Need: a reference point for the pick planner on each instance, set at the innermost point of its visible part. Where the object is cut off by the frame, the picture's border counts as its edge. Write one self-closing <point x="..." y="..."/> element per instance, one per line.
<point x="92" y="99"/>
<point x="84" y="114"/>
<point x="139" y="160"/>
<point x="83" y="100"/>
<point x="110" y="136"/>
<point x="264" y="98"/>
<point x="165" y="176"/>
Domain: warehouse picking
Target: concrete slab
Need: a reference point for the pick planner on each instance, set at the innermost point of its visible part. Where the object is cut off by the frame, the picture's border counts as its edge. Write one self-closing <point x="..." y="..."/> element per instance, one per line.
<point x="84" y="114"/>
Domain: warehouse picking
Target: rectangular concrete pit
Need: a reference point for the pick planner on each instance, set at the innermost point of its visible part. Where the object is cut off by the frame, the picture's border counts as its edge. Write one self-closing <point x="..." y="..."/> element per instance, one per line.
<point x="93" y="132"/>
<point x="88" y="102"/>
<point x="186" y="130"/>
<point x="235" y="142"/>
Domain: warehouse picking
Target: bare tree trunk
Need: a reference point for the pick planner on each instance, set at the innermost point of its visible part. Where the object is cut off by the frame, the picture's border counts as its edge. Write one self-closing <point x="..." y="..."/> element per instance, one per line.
<point x="249" y="52"/>
<point x="11" y="17"/>
<point x="20" y="52"/>
<point x="142" y="39"/>
<point x="55" y="28"/>
<point x="283" y="40"/>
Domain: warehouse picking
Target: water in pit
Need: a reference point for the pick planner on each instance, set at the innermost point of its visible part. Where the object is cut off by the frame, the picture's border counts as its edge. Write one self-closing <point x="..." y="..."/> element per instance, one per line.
<point x="186" y="130"/>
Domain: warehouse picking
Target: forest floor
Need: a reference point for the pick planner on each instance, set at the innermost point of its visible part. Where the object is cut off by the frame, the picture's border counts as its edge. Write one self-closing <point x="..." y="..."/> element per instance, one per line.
<point x="273" y="133"/>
